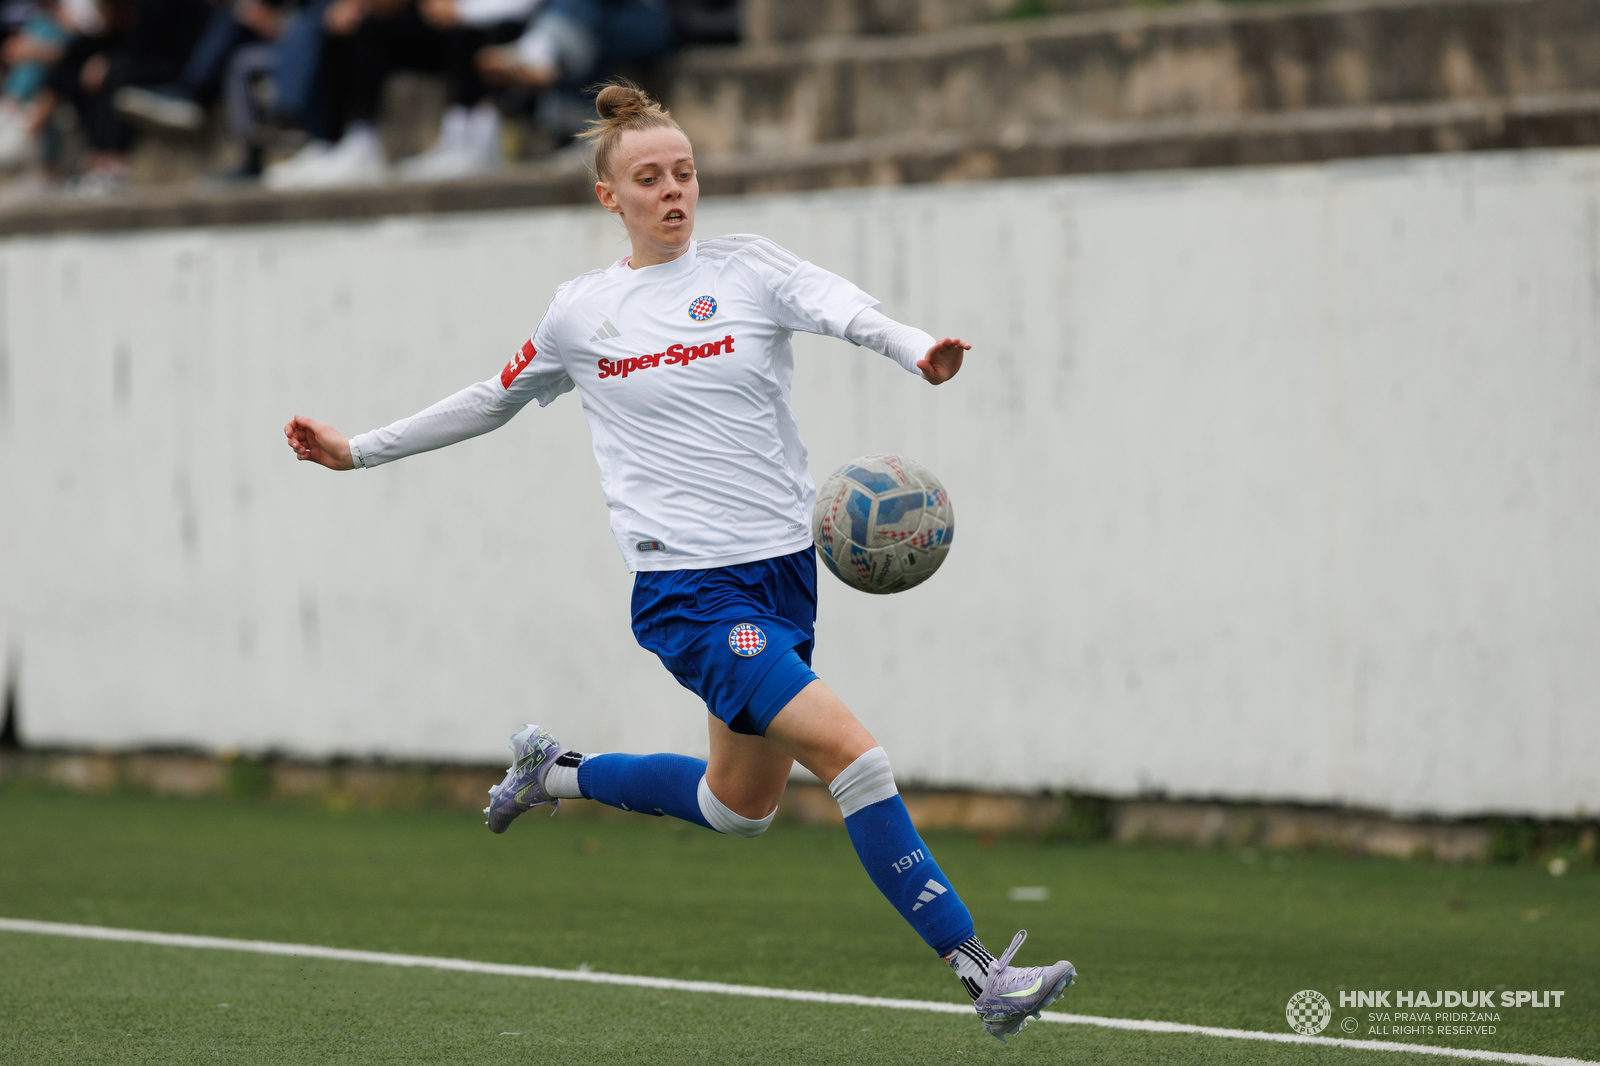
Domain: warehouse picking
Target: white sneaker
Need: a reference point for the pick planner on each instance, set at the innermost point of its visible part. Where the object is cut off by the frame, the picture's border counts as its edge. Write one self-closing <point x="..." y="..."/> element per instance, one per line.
<point x="158" y="108"/>
<point x="447" y="164"/>
<point x="356" y="160"/>
<point x="284" y="174"/>
<point x="16" y="144"/>
<point x="468" y="144"/>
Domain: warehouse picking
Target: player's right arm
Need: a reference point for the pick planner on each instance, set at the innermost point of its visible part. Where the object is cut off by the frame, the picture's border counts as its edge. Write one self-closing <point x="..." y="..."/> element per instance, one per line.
<point x="535" y="372"/>
<point x="318" y="442"/>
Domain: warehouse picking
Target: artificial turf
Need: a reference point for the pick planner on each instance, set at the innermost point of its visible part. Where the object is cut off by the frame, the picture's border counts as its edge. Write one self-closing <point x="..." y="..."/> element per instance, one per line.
<point x="1205" y="937"/>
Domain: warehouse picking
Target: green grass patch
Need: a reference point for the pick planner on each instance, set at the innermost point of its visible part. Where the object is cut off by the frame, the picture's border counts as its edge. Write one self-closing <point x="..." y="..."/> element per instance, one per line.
<point x="1193" y="936"/>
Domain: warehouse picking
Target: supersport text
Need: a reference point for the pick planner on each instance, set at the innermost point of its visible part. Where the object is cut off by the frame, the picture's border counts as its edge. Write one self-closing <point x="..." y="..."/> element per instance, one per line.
<point x="677" y="355"/>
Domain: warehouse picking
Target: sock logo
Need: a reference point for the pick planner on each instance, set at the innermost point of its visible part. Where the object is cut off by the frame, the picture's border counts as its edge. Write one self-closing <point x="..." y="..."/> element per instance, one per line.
<point x="906" y="862"/>
<point x="932" y="892"/>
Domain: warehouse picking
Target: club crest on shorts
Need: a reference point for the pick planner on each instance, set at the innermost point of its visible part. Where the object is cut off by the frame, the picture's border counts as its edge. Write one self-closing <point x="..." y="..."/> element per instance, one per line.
<point x="703" y="308"/>
<point x="746" y="640"/>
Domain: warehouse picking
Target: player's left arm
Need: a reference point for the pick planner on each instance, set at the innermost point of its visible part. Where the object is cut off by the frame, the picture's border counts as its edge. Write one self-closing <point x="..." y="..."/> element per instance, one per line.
<point x="943" y="360"/>
<point x="803" y="296"/>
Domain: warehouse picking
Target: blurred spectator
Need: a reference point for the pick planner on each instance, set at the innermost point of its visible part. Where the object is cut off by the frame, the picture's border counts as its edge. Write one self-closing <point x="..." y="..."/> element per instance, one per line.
<point x="362" y="42"/>
<point x="366" y="41"/>
<point x="28" y="53"/>
<point x="232" y="26"/>
<point x="571" y="44"/>
<point x="474" y="44"/>
<point x="321" y="66"/>
<point x="142" y="42"/>
<point x="469" y="134"/>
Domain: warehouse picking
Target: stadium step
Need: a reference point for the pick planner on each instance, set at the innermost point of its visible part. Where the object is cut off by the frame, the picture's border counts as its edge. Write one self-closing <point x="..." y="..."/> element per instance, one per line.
<point x="773" y="21"/>
<point x="1120" y="90"/>
<point x="1196" y="61"/>
<point x="1316" y="134"/>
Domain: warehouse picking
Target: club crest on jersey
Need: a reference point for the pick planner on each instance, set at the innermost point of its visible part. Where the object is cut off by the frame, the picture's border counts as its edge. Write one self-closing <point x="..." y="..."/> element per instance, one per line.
<point x="703" y="308"/>
<point x="746" y="640"/>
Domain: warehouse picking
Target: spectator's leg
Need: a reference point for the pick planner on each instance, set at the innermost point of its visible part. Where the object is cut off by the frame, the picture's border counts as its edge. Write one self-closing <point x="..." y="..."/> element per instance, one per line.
<point x="208" y="64"/>
<point x="249" y="64"/>
<point x="382" y="46"/>
<point x="301" y="96"/>
<point x="467" y="87"/>
<point x="470" y="130"/>
<point x="634" y="33"/>
<point x="107" y="132"/>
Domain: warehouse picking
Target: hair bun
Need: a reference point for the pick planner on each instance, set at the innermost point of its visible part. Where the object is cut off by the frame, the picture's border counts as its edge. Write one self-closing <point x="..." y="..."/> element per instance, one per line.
<point x="621" y="102"/>
<point x="622" y="106"/>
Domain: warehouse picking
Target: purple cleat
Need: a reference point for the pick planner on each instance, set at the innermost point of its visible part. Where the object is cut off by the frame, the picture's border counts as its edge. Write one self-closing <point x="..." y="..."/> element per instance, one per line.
<point x="1013" y="994"/>
<point x="533" y="752"/>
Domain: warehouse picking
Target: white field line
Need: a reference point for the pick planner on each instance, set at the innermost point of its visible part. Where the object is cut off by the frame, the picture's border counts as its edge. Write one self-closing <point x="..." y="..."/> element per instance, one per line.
<point x="384" y="958"/>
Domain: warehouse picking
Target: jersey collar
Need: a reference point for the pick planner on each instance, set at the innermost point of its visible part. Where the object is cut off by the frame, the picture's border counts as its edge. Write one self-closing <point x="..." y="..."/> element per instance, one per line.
<point x="677" y="268"/>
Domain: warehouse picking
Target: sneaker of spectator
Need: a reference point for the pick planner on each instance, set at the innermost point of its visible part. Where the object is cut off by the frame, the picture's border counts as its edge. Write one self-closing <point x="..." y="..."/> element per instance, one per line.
<point x="468" y="144"/>
<point x="167" y="107"/>
<point x="357" y="159"/>
<point x="469" y="133"/>
<point x="285" y="173"/>
<point x="231" y="29"/>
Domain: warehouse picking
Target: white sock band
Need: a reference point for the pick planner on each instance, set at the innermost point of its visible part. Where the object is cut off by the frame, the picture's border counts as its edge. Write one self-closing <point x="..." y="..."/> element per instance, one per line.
<point x="864" y="782"/>
<point x="562" y="782"/>
<point x="724" y="820"/>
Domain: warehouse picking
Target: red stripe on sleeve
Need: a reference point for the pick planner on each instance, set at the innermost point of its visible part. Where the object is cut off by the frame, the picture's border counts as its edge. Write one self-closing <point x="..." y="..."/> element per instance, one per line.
<point x="518" y="362"/>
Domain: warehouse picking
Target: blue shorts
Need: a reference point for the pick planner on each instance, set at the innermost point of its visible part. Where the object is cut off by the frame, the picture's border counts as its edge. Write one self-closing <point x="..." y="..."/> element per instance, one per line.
<point x="739" y="637"/>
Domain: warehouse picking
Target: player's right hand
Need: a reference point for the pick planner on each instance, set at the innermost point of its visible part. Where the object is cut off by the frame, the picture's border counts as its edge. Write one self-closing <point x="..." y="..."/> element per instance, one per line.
<point x="318" y="442"/>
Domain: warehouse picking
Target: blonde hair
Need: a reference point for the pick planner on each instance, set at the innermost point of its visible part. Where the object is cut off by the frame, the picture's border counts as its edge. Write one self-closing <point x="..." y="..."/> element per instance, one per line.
<point x="622" y="107"/>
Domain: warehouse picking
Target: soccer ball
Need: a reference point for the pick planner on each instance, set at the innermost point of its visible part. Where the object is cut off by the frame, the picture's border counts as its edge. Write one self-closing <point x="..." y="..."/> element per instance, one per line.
<point x="883" y="523"/>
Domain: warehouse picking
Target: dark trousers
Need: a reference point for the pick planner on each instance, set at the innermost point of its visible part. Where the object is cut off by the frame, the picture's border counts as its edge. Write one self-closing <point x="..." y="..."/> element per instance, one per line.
<point x="152" y="53"/>
<point x="361" y="63"/>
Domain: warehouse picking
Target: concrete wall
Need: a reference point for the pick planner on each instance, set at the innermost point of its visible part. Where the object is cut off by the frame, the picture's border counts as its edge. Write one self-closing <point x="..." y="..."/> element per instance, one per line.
<point x="1274" y="484"/>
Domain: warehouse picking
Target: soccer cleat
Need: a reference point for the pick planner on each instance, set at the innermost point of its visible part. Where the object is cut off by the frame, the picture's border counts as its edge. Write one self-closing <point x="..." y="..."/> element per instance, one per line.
<point x="1014" y="994"/>
<point x="533" y="752"/>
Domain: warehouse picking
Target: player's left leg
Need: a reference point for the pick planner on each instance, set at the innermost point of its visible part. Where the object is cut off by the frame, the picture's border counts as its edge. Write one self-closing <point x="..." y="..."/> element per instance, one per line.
<point x="821" y="734"/>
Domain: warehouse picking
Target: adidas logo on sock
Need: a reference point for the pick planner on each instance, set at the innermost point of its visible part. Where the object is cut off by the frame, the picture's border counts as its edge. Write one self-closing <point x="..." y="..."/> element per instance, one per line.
<point x="606" y="332"/>
<point x="932" y="892"/>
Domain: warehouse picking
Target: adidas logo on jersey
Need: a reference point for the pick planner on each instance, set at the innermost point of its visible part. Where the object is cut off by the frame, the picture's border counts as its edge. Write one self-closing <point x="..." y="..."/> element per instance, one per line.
<point x="677" y="355"/>
<point x="606" y="332"/>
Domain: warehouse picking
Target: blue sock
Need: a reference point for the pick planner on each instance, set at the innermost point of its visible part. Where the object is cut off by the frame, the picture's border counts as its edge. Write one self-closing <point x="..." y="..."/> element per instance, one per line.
<point x="648" y="784"/>
<point x="899" y="864"/>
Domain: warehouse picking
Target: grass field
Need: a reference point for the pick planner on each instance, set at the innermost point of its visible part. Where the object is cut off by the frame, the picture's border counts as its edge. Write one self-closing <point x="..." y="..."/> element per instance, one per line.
<point x="1204" y="937"/>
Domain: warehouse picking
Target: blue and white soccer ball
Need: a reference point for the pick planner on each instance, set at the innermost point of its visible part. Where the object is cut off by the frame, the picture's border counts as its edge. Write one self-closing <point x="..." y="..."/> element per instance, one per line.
<point x="883" y="523"/>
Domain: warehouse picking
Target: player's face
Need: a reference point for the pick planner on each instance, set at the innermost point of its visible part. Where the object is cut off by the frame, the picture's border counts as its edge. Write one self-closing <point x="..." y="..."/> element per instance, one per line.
<point x="654" y="188"/>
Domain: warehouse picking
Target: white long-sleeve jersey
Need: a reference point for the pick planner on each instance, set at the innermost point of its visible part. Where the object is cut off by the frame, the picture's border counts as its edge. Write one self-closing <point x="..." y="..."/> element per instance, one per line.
<point x="684" y="371"/>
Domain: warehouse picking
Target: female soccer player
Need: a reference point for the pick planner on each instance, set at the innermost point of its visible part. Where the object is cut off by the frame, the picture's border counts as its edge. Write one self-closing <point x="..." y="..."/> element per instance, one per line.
<point x="680" y="353"/>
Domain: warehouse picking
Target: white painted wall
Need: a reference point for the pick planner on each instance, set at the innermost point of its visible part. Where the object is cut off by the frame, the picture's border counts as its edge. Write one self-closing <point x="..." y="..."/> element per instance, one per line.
<point x="1270" y="484"/>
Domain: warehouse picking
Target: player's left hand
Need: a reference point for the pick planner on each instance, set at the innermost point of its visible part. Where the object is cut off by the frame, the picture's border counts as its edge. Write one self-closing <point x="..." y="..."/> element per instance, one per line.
<point x="943" y="360"/>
